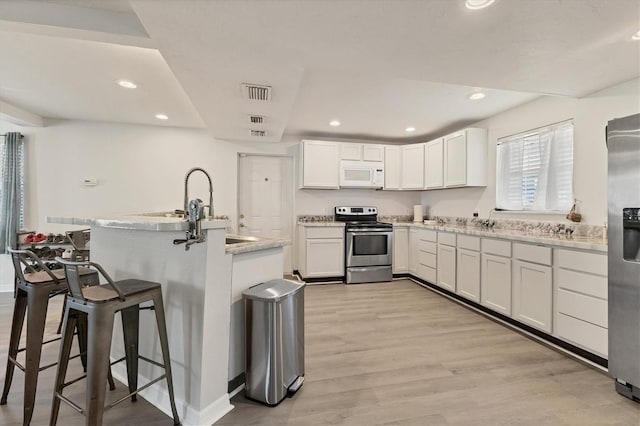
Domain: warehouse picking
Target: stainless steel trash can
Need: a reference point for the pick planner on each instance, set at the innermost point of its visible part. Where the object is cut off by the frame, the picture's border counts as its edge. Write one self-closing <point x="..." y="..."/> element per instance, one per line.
<point x="274" y="340"/>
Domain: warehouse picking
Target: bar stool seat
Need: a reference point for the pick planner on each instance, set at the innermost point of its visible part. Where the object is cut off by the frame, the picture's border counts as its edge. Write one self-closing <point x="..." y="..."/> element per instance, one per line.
<point x="100" y="303"/>
<point x="105" y="293"/>
<point x="33" y="291"/>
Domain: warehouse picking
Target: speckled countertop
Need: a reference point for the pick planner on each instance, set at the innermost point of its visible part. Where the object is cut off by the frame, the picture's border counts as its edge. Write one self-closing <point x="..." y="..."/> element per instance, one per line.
<point x="529" y="236"/>
<point x="562" y="240"/>
<point x="322" y="224"/>
<point x="251" y="246"/>
<point x="141" y="222"/>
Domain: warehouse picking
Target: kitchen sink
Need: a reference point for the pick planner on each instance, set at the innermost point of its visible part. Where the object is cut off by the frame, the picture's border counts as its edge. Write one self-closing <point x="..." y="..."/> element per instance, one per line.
<point x="240" y="239"/>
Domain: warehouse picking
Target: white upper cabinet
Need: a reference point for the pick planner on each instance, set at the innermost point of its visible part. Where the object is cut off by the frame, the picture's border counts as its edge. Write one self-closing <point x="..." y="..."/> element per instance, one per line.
<point x="412" y="171"/>
<point x="371" y="152"/>
<point x="465" y="158"/>
<point x="434" y="164"/>
<point x="320" y="164"/>
<point x="361" y="152"/>
<point x="351" y="151"/>
<point x="392" y="166"/>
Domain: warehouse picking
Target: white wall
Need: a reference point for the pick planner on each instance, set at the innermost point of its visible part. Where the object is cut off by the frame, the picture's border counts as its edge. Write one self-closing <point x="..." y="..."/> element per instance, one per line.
<point x="139" y="169"/>
<point x="590" y="115"/>
<point x="319" y="201"/>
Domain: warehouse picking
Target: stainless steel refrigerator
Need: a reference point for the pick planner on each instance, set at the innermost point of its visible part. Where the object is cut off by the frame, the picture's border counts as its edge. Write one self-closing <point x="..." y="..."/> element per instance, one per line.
<point x="623" y="141"/>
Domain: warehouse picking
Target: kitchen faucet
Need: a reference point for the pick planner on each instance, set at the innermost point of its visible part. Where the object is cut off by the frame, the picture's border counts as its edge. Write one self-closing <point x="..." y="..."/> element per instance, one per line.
<point x="194" y="212"/>
<point x="186" y="191"/>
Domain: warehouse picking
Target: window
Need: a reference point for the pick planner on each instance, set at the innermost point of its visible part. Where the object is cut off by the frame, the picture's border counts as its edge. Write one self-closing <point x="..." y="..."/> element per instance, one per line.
<point x="20" y="158"/>
<point x="534" y="169"/>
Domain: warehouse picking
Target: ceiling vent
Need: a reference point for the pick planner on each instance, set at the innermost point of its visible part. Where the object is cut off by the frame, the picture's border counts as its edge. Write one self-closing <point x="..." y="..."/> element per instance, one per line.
<point x="256" y="92"/>
<point x="256" y="119"/>
<point x="258" y="133"/>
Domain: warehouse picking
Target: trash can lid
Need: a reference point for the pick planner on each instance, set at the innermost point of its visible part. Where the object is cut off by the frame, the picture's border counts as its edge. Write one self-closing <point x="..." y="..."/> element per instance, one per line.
<point x="273" y="291"/>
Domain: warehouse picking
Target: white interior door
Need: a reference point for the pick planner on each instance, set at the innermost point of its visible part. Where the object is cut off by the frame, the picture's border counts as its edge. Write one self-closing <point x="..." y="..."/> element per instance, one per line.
<point x="265" y="199"/>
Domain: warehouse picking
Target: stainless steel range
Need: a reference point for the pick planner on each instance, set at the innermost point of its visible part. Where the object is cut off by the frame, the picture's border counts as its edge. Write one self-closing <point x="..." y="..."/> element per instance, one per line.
<point x="368" y="245"/>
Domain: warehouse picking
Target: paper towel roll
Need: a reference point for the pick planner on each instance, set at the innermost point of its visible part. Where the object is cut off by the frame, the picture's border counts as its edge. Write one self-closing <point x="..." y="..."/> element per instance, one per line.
<point x="417" y="213"/>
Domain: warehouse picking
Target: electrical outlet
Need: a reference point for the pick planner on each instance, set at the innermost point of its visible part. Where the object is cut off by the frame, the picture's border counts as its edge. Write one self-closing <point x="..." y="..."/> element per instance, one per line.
<point x="475" y="213"/>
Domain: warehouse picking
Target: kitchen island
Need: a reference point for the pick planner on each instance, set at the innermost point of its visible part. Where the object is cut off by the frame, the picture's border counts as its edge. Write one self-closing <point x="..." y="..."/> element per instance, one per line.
<point x="197" y="288"/>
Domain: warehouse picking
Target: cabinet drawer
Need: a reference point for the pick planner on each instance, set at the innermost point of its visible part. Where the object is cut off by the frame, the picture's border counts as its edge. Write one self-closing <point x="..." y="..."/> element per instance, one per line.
<point x="583" y="307"/>
<point x="328" y="232"/>
<point x="427" y="273"/>
<point x="497" y="247"/>
<point x="468" y="242"/>
<point x="428" y="246"/>
<point x="427" y="259"/>
<point x="593" y="285"/>
<point x="592" y="263"/>
<point x="447" y="238"/>
<point x="428" y="235"/>
<point x="589" y="336"/>
<point x="532" y="253"/>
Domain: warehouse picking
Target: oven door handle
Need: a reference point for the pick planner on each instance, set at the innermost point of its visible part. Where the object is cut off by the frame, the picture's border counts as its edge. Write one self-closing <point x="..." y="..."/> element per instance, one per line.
<point x="370" y="231"/>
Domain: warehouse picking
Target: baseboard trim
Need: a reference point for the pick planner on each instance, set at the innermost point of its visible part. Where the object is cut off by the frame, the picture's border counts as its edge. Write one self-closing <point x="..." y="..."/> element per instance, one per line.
<point x="540" y="336"/>
<point x="158" y="396"/>
<point x="235" y="383"/>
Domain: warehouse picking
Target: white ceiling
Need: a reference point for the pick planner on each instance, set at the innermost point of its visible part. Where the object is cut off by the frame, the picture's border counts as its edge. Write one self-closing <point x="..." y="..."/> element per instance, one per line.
<point x="377" y="66"/>
<point x="65" y="78"/>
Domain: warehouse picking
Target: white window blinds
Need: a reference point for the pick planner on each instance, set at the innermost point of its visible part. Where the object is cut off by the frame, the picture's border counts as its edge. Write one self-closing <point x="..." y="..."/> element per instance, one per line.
<point x="534" y="169"/>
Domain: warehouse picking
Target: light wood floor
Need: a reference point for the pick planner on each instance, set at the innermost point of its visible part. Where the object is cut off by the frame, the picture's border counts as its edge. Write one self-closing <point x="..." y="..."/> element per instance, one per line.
<point x="391" y="353"/>
<point x="398" y="353"/>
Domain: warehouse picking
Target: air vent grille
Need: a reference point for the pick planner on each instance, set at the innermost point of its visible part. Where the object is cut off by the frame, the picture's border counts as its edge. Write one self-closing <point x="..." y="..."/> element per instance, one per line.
<point x="256" y="92"/>
<point x="256" y="119"/>
<point x="259" y="133"/>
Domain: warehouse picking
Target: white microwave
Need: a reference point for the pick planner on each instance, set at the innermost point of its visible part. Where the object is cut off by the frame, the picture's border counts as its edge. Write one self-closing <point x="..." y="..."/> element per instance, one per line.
<point x="361" y="174"/>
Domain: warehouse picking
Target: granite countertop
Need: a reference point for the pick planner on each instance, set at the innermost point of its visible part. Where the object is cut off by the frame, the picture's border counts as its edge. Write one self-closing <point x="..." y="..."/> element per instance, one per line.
<point x="323" y="223"/>
<point x="140" y="222"/>
<point x="538" y="237"/>
<point x="562" y="240"/>
<point x="250" y="246"/>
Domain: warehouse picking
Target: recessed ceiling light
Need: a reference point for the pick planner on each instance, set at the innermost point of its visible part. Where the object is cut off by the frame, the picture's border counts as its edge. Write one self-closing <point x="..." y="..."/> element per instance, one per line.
<point x="162" y="116"/>
<point x="477" y="96"/>
<point x="127" y="84"/>
<point x="334" y="123"/>
<point x="478" y="4"/>
<point x="636" y="36"/>
<point x="410" y="129"/>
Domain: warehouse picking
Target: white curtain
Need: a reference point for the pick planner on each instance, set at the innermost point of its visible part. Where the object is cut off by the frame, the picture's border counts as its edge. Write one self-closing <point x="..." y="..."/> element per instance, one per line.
<point x="535" y="170"/>
<point x="11" y="189"/>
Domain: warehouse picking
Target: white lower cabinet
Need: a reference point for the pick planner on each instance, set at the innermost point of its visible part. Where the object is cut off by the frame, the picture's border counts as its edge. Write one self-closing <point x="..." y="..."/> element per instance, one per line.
<point x="321" y="253"/>
<point x="414" y="250"/>
<point x="400" y="250"/>
<point x="532" y="294"/>
<point x="468" y="274"/>
<point x="446" y="270"/>
<point x="495" y="283"/>
<point x="325" y="257"/>
<point x="580" y="299"/>
<point x="427" y="255"/>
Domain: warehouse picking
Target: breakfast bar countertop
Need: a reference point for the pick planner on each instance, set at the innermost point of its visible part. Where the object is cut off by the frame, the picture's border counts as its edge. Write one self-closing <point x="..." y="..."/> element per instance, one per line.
<point x="142" y="222"/>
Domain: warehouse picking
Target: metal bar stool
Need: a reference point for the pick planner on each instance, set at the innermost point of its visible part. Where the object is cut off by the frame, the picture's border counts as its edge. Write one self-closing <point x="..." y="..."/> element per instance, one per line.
<point x="33" y="291"/>
<point x="100" y="304"/>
